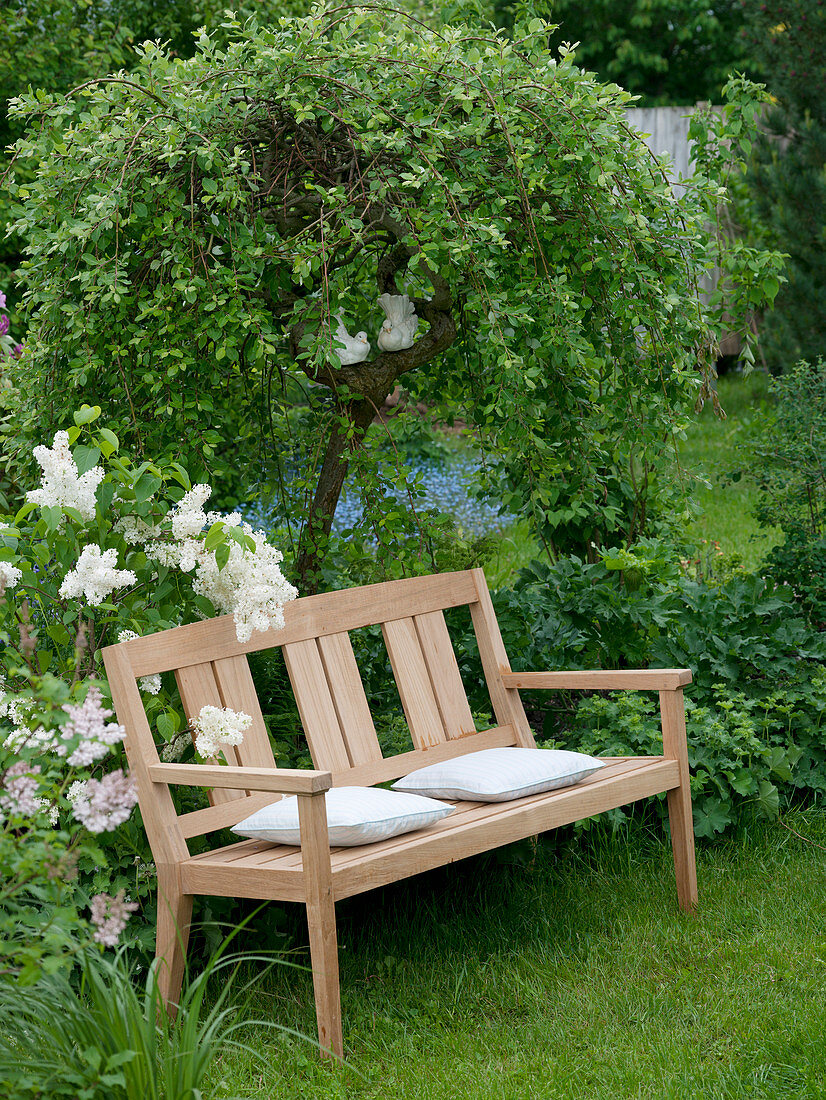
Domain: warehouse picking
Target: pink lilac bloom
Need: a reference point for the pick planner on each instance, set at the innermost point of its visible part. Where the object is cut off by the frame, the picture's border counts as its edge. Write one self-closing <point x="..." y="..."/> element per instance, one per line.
<point x="105" y="803"/>
<point x="4" y="324"/>
<point x="109" y="916"/>
<point x="2" y="300"/>
<point x="87" y="722"/>
<point x="19" y="793"/>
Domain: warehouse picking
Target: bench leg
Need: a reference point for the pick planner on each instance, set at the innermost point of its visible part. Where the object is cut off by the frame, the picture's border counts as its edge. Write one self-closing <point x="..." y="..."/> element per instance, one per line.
<point x="680" y="817"/>
<point x="171" y="938"/>
<point x="321" y="921"/>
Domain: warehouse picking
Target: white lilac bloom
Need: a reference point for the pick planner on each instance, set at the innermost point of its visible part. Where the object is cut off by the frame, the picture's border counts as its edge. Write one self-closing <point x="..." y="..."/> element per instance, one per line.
<point x="105" y="803"/>
<point x="150" y="684"/>
<point x="18" y="794"/>
<point x="10" y="575"/>
<point x="88" y="725"/>
<point x="250" y="587"/>
<point x="188" y="516"/>
<point x="61" y="484"/>
<point x="109" y="916"/>
<point x="218" y="726"/>
<point x="95" y="576"/>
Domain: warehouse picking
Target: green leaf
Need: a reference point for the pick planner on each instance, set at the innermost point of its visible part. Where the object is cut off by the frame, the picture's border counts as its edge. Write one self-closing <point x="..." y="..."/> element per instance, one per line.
<point x="222" y="556"/>
<point x="215" y="536"/>
<point x="87" y="414"/>
<point x="86" y="458"/>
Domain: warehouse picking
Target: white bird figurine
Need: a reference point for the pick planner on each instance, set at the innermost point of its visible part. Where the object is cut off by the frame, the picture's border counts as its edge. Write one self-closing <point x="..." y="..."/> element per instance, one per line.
<point x="350" y="349"/>
<point x="399" y="330"/>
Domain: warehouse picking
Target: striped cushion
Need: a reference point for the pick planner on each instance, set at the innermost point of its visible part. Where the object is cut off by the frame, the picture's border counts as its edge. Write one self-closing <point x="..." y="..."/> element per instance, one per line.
<point x="498" y="775"/>
<point x="355" y="815"/>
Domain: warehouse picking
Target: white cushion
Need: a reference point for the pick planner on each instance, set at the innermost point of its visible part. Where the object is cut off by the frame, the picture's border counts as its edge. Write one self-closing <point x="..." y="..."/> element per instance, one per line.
<point x="355" y="815"/>
<point x="498" y="775"/>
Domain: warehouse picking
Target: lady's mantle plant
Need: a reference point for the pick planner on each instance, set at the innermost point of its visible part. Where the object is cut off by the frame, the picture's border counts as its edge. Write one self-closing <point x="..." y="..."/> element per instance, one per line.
<point x="104" y="550"/>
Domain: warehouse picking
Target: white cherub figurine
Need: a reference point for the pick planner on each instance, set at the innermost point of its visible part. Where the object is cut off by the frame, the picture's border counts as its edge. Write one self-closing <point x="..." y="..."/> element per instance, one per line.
<point x="350" y="349"/>
<point x="399" y="330"/>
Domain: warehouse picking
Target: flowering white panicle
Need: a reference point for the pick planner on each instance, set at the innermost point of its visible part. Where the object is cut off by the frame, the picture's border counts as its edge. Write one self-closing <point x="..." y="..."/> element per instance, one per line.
<point x="173" y="750"/>
<point x="106" y="803"/>
<point x="109" y="916"/>
<point x="217" y="726"/>
<point x="250" y="587"/>
<point x="54" y="814"/>
<point x="95" y="576"/>
<point x="150" y="684"/>
<point x="135" y="531"/>
<point x="188" y="516"/>
<point x="61" y="484"/>
<point x="89" y="727"/>
<point x="76" y="791"/>
<point x="18" y="794"/>
<point x="10" y="575"/>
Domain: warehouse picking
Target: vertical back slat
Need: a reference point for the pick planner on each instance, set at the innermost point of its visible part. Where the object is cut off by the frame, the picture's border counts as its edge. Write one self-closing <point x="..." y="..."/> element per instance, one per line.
<point x="315" y="705"/>
<point x="445" y="678"/>
<point x="238" y="692"/>
<point x="198" y="688"/>
<point x="507" y="706"/>
<point x="349" y="699"/>
<point x="413" y="681"/>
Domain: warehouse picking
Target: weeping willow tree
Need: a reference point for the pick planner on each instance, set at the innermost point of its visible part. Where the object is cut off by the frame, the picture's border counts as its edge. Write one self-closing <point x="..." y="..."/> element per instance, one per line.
<point x="198" y="229"/>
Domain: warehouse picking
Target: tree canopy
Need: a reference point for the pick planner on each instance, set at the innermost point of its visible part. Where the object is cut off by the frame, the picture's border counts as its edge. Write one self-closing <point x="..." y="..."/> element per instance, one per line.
<point x="198" y="226"/>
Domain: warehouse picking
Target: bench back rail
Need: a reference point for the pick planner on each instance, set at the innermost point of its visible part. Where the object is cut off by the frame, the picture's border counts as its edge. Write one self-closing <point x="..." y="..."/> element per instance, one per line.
<point x="211" y="668"/>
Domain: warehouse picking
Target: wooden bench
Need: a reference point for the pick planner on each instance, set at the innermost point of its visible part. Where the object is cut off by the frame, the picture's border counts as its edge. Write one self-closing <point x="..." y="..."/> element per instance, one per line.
<point x="211" y="667"/>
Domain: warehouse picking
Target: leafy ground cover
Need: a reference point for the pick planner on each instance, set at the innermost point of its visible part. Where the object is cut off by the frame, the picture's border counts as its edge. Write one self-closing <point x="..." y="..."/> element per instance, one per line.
<point x="568" y="972"/>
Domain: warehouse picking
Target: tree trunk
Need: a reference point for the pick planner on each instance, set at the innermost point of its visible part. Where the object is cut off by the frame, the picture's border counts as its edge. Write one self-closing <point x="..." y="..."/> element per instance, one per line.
<point x="316" y="530"/>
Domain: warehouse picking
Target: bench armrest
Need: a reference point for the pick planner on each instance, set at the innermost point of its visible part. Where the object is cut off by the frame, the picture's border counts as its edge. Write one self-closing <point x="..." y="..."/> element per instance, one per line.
<point x="278" y="780"/>
<point x="650" y="679"/>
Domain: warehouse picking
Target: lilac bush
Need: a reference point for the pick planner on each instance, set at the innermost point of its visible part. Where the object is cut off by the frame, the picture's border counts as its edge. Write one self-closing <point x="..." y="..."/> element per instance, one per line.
<point x="102" y="551"/>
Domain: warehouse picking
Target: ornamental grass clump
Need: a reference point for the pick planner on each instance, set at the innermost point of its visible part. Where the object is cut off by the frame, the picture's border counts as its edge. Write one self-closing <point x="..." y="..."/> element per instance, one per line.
<point x="103" y="550"/>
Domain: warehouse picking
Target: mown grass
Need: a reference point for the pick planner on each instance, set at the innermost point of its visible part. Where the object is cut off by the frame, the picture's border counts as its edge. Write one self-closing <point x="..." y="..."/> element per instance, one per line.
<point x="570" y="973"/>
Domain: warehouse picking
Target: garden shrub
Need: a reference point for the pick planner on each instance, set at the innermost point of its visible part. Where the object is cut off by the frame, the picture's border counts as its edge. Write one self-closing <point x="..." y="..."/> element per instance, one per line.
<point x="104" y="546"/>
<point x="357" y="152"/>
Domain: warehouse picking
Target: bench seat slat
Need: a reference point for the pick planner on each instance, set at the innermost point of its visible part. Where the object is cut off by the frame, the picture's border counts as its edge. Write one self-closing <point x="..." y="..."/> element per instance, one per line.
<point x="258" y="869"/>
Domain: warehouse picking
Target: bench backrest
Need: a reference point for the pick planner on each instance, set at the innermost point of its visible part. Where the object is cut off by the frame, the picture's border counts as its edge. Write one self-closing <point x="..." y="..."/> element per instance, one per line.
<point x="211" y="667"/>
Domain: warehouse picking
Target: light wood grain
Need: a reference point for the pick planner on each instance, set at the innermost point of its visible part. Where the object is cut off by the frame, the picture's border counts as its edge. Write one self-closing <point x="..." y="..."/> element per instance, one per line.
<point x="198" y="688"/>
<point x="237" y="690"/>
<point x="507" y="706"/>
<point x="315" y="705"/>
<point x="211" y="667"/>
<point x="445" y="679"/>
<point x="650" y="679"/>
<point x="351" y="704"/>
<point x="310" y="617"/>
<point x="280" y="780"/>
<point x="321" y="923"/>
<point x="394" y="767"/>
<point x="413" y="682"/>
<point x="226" y="814"/>
<point x="160" y="818"/>
<point x="680" y="816"/>
<point x="171" y="936"/>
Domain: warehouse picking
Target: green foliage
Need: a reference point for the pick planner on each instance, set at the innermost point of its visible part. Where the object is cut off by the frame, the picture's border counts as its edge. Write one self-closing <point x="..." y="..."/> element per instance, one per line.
<point x="110" y="1040"/>
<point x="785" y="202"/>
<point x="197" y="236"/>
<point x="665" y="52"/>
<point x="788" y="450"/>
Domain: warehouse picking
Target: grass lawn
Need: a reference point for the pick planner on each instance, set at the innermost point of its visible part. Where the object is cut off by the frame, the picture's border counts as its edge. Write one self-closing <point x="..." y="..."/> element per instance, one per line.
<point x="711" y="452"/>
<point x="570" y="973"/>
